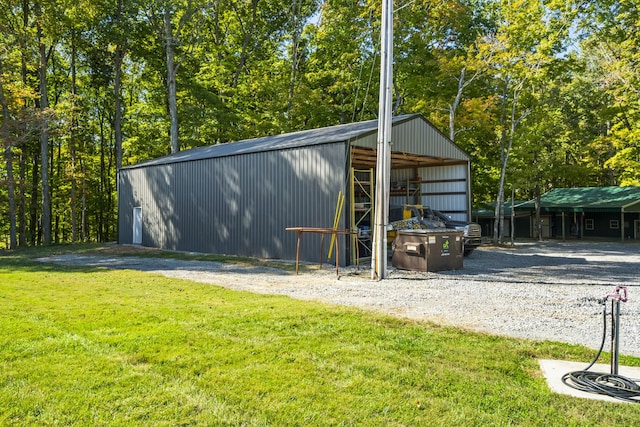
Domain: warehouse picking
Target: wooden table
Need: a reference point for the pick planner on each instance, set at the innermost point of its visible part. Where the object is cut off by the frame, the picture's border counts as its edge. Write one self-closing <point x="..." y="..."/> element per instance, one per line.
<point x="323" y="231"/>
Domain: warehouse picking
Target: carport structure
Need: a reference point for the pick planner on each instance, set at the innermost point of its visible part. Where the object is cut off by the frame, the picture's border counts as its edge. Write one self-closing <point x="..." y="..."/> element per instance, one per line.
<point x="238" y="198"/>
<point x="603" y="212"/>
<point x="611" y="213"/>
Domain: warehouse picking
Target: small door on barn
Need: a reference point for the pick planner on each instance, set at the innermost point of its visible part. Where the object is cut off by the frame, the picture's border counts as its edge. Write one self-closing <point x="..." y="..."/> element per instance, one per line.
<point x="636" y="234"/>
<point x="137" y="226"/>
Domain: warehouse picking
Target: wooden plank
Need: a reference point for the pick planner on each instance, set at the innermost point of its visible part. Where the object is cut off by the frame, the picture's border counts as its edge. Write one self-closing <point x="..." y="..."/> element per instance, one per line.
<point x="362" y="157"/>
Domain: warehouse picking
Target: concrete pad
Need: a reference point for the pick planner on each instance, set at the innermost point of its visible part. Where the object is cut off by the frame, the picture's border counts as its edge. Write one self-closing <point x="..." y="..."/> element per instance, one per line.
<point x="553" y="371"/>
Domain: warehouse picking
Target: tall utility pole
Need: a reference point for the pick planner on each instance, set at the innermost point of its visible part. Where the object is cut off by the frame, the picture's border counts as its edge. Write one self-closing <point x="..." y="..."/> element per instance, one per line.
<point x="383" y="162"/>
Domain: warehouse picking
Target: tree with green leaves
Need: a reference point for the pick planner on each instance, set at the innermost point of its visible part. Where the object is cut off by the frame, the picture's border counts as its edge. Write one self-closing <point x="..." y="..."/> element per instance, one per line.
<point x="522" y="48"/>
<point x="5" y="134"/>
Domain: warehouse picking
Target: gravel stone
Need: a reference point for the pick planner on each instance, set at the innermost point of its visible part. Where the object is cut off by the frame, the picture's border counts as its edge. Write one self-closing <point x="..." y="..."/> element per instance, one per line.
<point x="534" y="290"/>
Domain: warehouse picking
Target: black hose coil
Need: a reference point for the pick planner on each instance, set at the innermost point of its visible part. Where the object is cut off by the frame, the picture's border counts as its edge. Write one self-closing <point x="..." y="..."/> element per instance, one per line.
<point x="611" y="385"/>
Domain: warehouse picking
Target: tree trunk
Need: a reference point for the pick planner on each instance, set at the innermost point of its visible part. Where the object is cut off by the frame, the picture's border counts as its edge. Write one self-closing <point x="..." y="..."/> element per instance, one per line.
<point x="72" y="142"/>
<point x="110" y="199"/>
<point x="84" y="226"/>
<point x="22" y="220"/>
<point x="498" y="227"/>
<point x="117" y="79"/>
<point x="34" y="229"/>
<point x="454" y="105"/>
<point x="103" y="178"/>
<point x="498" y="224"/>
<point x="295" y="44"/>
<point x="245" y="44"/>
<point x="506" y="144"/>
<point x="22" y="205"/>
<point x="44" y="138"/>
<point x="171" y="82"/>
<point x="13" y="241"/>
<point x="57" y="234"/>
<point x="117" y="121"/>
<point x="538" y="220"/>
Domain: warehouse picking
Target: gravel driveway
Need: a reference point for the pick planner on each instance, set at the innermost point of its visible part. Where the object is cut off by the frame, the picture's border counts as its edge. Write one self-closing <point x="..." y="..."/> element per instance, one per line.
<point x="542" y="291"/>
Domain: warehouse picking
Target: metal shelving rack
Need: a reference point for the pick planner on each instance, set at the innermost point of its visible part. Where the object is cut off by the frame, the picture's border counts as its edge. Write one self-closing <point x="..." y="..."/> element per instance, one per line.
<point x="361" y="209"/>
<point x="410" y="189"/>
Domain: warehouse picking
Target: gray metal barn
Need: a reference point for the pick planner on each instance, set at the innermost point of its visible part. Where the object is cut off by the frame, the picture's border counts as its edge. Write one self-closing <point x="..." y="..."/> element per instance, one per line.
<point x="238" y="198"/>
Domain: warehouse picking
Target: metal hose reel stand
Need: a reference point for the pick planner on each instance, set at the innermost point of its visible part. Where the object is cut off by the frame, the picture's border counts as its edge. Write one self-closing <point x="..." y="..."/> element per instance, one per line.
<point x="616" y="298"/>
<point x="611" y="384"/>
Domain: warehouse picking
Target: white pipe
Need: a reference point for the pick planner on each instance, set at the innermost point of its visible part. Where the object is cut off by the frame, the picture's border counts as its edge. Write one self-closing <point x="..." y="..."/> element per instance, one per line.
<point x="383" y="159"/>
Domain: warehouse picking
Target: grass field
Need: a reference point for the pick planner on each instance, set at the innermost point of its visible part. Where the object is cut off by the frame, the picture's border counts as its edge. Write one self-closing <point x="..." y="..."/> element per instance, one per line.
<point x="83" y="346"/>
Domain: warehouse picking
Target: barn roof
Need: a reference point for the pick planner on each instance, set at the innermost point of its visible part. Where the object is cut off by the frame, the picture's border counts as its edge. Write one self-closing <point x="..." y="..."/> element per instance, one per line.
<point x="488" y="209"/>
<point x="326" y="135"/>
<point x="581" y="199"/>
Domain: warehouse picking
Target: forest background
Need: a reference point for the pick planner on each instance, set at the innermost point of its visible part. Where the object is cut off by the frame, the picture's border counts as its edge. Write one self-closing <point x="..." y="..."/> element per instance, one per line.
<point x="541" y="94"/>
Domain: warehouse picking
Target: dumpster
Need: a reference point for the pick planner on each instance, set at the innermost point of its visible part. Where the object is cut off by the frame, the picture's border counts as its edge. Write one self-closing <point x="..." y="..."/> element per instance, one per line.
<point x="428" y="250"/>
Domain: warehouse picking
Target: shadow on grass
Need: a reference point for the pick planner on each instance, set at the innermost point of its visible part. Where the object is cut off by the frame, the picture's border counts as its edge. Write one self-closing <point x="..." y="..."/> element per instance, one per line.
<point x="541" y="264"/>
<point x="31" y="265"/>
<point x="95" y="257"/>
<point x="156" y="264"/>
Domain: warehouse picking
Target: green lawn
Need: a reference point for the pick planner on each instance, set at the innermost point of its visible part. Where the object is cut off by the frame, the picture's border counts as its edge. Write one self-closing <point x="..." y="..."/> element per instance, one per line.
<point x="82" y="346"/>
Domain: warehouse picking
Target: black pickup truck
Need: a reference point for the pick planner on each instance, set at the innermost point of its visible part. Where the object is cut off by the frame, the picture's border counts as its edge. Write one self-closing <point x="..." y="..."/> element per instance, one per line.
<point x="472" y="231"/>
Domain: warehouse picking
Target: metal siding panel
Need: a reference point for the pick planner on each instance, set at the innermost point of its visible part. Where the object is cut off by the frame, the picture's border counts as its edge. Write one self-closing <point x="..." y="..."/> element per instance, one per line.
<point x="401" y="174"/>
<point x="225" y="206"/>
<point x="139" y="196"/>
<point x="189" y="202"/>
<point x="417" y="136"/>
<point x="242" y="204"/>
<point x="125" y="208"/>
<point x="179" y="221"/>
<point x="154" y="191"/>
<point x="238" y="205"/>
<point x="368" y="141"/>
<point x="446" y="202"/>
<point x="128" y="191"/>
<point x="153" y="188"/>
<point x="442" y="174"/>
<point x="197" y="213"/>
<point x="316" y="175"/>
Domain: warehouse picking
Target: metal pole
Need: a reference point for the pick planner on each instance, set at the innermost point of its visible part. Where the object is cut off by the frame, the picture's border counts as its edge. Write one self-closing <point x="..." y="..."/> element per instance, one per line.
<point x="383" y="160"/>
<point x="615" y="335"/>
<point x="513" y="216"/>
<point x="620" y="294"/>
